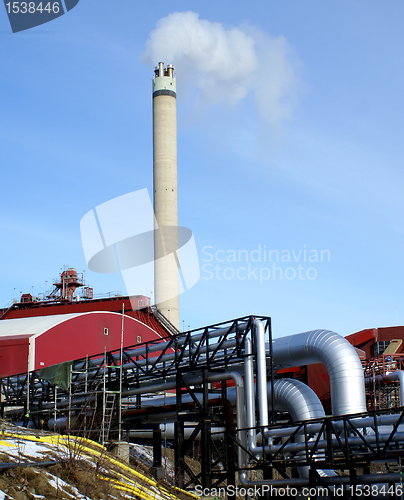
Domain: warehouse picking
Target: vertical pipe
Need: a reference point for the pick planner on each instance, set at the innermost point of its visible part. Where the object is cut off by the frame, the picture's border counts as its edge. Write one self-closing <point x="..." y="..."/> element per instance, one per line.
<point x="250" y="396"/>
<point x="271" y="368"/>
<point x="261" y="374"/>
<point x="166" y="264"/>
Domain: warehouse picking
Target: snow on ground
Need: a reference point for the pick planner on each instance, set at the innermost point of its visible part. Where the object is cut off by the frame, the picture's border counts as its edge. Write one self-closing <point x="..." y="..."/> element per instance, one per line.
<point x="20" y="449"/>
<point x="145" y="455"/>
<point x="59" y="484"/>
<point x="27" y="446"/>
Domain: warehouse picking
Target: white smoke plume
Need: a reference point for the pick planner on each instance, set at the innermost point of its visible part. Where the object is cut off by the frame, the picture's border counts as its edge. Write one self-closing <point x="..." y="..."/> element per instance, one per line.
<point x="228" y="64"/>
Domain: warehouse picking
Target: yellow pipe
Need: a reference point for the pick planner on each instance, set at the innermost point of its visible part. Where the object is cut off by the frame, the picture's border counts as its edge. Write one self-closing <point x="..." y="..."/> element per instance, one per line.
<point x="138" y="490"/>
<point x="66" y="441"/>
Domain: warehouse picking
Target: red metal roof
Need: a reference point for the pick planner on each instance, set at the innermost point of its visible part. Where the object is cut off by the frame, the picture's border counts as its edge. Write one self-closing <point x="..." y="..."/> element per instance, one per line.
<point x="35" y="342"/>
<point x="363" y="336"/>
<point x="113" y="304"/>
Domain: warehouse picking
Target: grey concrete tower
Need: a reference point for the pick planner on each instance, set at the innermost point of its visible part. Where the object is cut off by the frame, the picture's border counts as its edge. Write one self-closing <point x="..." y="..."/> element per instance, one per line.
<point x="166" y="264"/>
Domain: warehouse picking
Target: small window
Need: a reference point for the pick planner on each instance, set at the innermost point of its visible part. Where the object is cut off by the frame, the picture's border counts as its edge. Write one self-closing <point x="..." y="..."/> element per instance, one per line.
<point x="139" y="338"/>
<point x="380" y="347"/>
<point x="105" y="331"/>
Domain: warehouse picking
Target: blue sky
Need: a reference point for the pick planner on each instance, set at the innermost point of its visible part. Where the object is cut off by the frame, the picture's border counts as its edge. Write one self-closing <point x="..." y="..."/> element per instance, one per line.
<point x="297" y="151"/>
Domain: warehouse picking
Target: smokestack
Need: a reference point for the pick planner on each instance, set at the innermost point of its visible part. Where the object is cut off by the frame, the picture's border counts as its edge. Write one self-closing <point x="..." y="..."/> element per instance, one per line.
<point x="166" y="264"/>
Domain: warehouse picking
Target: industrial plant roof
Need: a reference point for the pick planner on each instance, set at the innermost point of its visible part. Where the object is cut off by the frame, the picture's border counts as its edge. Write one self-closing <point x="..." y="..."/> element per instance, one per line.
<point x="40" y="324"/>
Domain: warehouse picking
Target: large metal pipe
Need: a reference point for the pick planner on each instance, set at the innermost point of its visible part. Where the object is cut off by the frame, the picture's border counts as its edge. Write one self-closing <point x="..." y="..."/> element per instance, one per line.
<point x="250" y="398"/>
<point x="292" y="396"/>
<point x="342" y="363"/>
<point x="259" y="336"/>
<point x="168" y="432"/>
<point x="365" y="423"/>
<point x="289" y="395"/>
<point x="389" y="478"/>
<point x="165" y="186"/>
<point x="297" y="398"/>
<point x="339" y="357"/>
<point x="301" y="402"/>
<point x="337" y="443"/>
<point x="261" y="384"/>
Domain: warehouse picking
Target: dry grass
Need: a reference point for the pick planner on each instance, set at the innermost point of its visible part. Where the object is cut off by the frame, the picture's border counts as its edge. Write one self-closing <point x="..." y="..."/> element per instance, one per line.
<point x="74" y="477"/>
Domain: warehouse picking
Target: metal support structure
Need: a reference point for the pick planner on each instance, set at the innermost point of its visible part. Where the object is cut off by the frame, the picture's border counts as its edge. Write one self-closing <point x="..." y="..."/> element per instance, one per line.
<point x="144" y="367"/>
<point x="179" y="436"/>
<point x="189" y="363"/>
<point x="206" y="477"/>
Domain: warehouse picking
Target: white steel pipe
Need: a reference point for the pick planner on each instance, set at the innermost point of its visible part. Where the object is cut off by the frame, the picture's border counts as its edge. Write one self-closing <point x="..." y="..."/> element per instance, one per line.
<point x="259" y="335"/>
<point x="250" y="398"/>
<point x="339" y="357"/>
<point x="168" y="432"/>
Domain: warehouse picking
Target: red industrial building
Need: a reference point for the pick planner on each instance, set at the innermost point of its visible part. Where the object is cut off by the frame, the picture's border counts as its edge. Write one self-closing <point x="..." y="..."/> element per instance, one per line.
<point x="63" y="326"/>
<point x="28" y="344"/>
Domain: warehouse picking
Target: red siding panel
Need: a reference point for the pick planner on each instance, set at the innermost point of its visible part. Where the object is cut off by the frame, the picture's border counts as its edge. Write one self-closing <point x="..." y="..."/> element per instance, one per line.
<point x="14" y="352"/>
<point x="84" y="335"/>
<point x="318" y="379"/>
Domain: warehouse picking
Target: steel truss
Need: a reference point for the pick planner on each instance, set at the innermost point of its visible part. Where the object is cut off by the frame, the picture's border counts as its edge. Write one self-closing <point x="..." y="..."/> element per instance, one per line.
<point x="215" y="347"/>
<point x="338" y="453"/>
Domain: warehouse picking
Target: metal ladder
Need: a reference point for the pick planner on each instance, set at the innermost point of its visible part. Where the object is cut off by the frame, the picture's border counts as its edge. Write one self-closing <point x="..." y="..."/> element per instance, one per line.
<point x="6" y="311"/>
<point x="107" y="413"/>
<point x="108" y="405"/>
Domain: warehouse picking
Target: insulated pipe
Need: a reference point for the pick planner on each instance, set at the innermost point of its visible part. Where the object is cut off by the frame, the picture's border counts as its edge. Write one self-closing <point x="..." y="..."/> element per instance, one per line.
<point x="358" y="423"/>
<point x="292" y="396"/>
<point x="294" y="448"/>
<point x="167" y="432"/>
<point x="297" y="398"/>
<point x="337" y="443"/>
<point x="289" y="395"/>
<point x="302" y="405"/>
<point x="301" y="402"/>
<point x="390" y="377"/>
<point x="338" y="356"/>
<point x="250" y="398"/>
<point x="240" y="413"/>
<point x="388" y="478"/>
<point x="261" y="384"/>
<point x="261" y="374"/>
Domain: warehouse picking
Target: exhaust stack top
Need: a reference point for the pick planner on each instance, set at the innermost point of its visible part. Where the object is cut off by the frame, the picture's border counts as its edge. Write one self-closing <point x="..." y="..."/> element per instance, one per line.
<point x="164" y="82"/>
<point x="166" y="264"/>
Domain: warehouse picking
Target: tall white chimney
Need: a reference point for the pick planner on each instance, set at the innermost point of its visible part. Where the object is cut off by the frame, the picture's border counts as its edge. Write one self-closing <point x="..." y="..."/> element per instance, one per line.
<point x="166" y="264"/>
